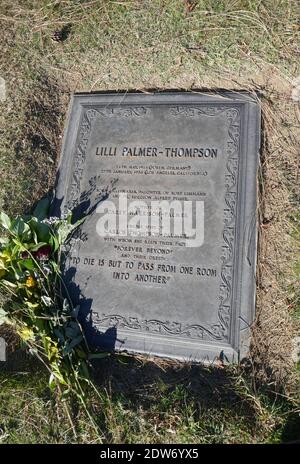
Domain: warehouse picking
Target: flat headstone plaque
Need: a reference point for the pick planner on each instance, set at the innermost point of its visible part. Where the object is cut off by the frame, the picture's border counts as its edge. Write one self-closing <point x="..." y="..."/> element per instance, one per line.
<point x="136" y="163"/>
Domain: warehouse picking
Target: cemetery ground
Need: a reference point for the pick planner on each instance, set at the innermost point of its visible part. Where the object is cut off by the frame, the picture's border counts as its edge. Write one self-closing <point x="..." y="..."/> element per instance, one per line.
<point x="51" y="49"/>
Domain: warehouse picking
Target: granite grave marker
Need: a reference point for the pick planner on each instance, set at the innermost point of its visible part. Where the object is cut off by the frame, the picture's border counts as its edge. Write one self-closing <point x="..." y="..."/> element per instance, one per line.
<point x="165" y="262"/>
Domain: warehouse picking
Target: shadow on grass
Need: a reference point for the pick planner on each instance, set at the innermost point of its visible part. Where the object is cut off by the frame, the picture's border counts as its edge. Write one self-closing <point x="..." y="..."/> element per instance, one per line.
<point x="214" y="397"/>
<point x="291" y="429"/>
<point x="166" y="388"/>
<point x="206" y="403"/>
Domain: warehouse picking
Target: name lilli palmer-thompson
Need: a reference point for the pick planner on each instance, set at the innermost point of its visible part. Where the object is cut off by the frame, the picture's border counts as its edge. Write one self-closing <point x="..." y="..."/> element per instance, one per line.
<point x="169" y="152"/>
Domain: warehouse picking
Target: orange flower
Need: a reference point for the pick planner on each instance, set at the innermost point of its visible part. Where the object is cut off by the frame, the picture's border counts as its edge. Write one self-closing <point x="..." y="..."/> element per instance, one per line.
<point x="30" y="282"/>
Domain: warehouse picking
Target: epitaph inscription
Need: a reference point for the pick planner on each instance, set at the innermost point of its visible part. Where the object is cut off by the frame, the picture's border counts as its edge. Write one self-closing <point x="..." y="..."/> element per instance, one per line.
<point x="135" y="161"/>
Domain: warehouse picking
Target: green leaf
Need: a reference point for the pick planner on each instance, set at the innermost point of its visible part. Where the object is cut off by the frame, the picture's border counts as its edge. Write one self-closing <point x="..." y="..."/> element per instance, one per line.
<point x="17" y="248"/>
<point x="42" y="208"/>
<point x="52" y="382"/>
<point x="65" y="230"/>
<point x="27" y="234"/>
<point x="36" y="247"/>
<point x="5" y="221"/>
<point x="85" y="371"/>
<point x="18" y="274"/>
<point x="42" y="230"/>
<point x="28" y="264"/>
<point x="78" y="223"/>
<point x="72" y="331"/>
<point x="69" y="217"/>
<point x="59" y="335"/>
<point x="57" y="375"/>
<point x="31" y="305"/>
<point x="53" y="241"/>
<point x="72" y="344"/>
<point x="55" y="266"/>
<point x="35" y="238"/>
<point x="19" y="227"/>
<point x="80" y="353"/>
<point x="4" y="240"/>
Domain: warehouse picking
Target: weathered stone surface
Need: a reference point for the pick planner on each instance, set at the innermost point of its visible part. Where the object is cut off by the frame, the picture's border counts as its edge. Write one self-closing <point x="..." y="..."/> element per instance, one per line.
<point x="159" y="294"/>
<point x="2" y="349"/>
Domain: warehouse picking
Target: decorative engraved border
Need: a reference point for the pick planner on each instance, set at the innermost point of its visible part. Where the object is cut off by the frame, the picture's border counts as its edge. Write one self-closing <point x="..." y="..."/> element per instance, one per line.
<point x="220" y="330"/>
<point x="155" y="326"/>
<point x="79" y="159"/>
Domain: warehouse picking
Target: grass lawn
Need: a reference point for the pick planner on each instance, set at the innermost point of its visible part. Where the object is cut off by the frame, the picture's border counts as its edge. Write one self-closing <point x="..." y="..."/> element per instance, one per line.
<point x="51" y="49"/>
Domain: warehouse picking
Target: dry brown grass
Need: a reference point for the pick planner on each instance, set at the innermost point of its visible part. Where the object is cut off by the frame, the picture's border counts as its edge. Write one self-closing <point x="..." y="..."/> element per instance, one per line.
<point x="275" y="326"/>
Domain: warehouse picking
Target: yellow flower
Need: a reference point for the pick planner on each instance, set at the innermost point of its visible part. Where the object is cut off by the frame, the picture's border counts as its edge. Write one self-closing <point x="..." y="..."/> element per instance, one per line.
<point x="31" y="305"/>
<point x="53" y="353"/>
<point x="26" y="333"/>
<point x="5" y="255"/>
<point x="30" y="282"/>
<point x="4" y="260"/>
<point x="51" y="349"/>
